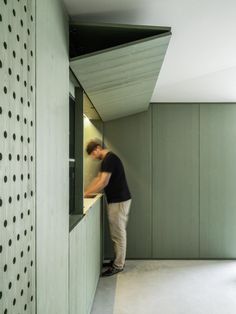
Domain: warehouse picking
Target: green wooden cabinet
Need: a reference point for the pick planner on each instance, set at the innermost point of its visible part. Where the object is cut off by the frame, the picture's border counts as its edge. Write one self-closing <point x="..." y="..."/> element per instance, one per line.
<point x="85" y="260"/>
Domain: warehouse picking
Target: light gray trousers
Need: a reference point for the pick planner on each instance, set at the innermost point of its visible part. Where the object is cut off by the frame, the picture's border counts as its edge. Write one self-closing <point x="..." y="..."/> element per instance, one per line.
<point x="118" y="215"/>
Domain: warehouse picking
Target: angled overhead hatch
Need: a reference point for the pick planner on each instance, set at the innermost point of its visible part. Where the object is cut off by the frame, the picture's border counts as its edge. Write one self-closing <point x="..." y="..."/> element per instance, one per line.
<point x="118" y="65"/>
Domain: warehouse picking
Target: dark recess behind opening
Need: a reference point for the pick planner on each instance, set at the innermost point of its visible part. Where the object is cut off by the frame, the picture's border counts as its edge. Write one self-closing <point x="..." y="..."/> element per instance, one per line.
<point x="86" y="39"/>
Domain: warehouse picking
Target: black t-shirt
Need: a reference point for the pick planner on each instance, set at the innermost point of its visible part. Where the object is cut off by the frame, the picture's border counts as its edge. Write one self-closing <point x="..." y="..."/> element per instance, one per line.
<point x="117" y="189"/>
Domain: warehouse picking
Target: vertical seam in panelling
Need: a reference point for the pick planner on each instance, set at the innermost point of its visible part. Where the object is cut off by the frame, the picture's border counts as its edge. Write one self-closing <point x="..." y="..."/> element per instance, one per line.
<point x="199" y="183"/>
<point x="151" y="176"/>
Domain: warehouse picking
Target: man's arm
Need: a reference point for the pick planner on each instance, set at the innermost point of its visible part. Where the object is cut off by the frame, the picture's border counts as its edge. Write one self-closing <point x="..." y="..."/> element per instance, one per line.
<point x="98" y="184"/>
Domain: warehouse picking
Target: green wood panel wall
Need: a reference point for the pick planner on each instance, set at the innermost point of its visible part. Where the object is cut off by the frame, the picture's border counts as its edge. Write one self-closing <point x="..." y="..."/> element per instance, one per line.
<point x="175" y="181"/>
<point x="77" y="287"/>
<point x="85" y="260"/>
<point x="52" y="156"/>
<point x="218" y="180"/>
<point x="130" y="138"/>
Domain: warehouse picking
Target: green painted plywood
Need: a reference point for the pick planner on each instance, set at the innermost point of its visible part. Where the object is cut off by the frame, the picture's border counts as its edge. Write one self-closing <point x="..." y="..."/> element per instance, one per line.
<point x="175" y="144"/>
<point x="130" y="139"/>
<point x="120" y="81"/>
<point x="78" y="261"/>
<point x="218" y="181"/>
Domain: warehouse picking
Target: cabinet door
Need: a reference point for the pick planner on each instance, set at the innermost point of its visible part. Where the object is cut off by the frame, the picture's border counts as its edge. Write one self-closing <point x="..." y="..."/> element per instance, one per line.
<point x="218" y="181"/>
<point x="175" y="143"/>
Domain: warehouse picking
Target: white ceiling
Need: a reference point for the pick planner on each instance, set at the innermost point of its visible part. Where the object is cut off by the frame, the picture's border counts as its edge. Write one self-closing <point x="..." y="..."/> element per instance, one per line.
<point x="200" y="64"/>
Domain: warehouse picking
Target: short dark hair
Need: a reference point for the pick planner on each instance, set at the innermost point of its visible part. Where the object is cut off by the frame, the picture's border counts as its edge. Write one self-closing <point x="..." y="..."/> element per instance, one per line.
<point x="92" y="145"/>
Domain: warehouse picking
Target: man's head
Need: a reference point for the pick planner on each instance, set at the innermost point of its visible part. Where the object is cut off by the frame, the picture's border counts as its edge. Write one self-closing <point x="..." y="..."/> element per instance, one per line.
<point x="94" y="149"/>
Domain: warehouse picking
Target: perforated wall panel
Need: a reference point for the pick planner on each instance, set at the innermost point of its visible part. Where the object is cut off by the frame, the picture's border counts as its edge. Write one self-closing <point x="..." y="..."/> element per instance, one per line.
<point x="17" y="156"/>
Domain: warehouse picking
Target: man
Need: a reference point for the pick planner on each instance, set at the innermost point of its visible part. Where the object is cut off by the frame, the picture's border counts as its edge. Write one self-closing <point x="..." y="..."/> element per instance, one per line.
<point x="112" y="179"/>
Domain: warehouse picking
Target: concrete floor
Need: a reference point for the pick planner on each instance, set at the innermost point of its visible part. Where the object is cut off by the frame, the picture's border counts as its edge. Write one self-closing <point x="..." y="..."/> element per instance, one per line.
<point x="169" y="287"/>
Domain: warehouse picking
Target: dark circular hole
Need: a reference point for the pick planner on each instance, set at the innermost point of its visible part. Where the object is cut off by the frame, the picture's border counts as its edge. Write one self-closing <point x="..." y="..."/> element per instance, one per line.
<point x="18" y="77"/>
<point x="14" y="95"/>
<point x="0" y="63"/>
<point x="5" y="311"/>
<point x="28" y="140"/>
<point x="1" y="295"/>
<point x="9" y="285"/>
<point x="32" y="298"/>
<point x="5" y="89"/>
<point x="25" y="83"/>
<point x="25" y="8"/>
<point x="10" y="199"/>
<point x="0" y="17"/>
<point x="25" y="195"/>
<point x="21" y="23"/>
<point x="18" y="277"/>
<point x="28" y="68"/>
<point x="22" y="177"/>
<point x="21" y="215"/>
<point x="0" y="156"/>
<point x="5" y="223"/>
<point x="9" y="28"/>
<point x="28" y="248"/>
<point x="5" y="1"/>
<point x="25" y="232"/>
<point x="14" y="219"/>
<point x="5" y="268"/>
<point x="28" y="284"/>
<point x="31" y="228"/>
<point x="28" y="212"/>
<point x="0" y="248"/>
<point x="21" y="61"/>
<point x="14" y="302"/>
<point x="25" y="158"/>
<point x="5" y="179"/>
<point x="18" y="117"/>
<point x="14" y="260"/>
<point x="14" y="136"/>
<point x="18" y="37"/>
<point x="28" y="176"/>
<point x="14" y="12"/>
<point x="28" y="103"/>
<point x="25" y="46"/>
<point x="18" y="157"/>
<point x="28" y="31"/>
<point x="25" y="270"/>
<point x="22" y="100"/>
<point x="25" y="307"/>
<point x="9" y="114"/>
<point x="9" y="71"/>
<point x="31" y="158"/>
<point x="14" y="53"/>
<point x="31" y="263"/>
<point x="25" y="120"/>
<point x="22" y="138"/>
<point x="5" y="45"/>
<point x="10" y="242"/>
<point x="31" y="53"/>
<point x="18" y="237"/>
<point x="21" y="254"/>
<point x="22" y="292"/>
<point x="31" y="193"/>
<point x="10" y="157"/>
<point x="18" y="197"/>
<point x="0" y="202"/>
<point x="5" y="134"/>
<point x="14" y="178"/>
<point x="31" y="17"/>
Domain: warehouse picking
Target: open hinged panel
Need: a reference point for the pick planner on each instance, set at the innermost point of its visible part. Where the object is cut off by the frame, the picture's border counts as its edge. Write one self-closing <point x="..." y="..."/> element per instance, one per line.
<point x="118" y="65"/>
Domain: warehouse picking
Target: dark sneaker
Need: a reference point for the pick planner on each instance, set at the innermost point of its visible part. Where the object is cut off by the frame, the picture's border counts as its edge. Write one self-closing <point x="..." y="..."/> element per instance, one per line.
<point x="107" y="264"/>
<point x="111" y="271"/>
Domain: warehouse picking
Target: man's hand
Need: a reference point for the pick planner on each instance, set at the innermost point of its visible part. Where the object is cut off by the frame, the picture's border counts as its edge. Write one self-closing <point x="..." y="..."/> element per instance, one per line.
<point x="98" y="184"/>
